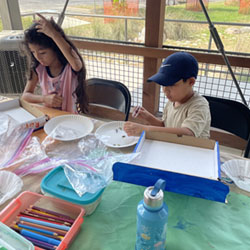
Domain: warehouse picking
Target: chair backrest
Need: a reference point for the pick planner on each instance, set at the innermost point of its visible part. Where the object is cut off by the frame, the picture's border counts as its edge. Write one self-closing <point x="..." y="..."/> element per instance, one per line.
<point x="109" y="93"/>
<point x="231" y="116"/>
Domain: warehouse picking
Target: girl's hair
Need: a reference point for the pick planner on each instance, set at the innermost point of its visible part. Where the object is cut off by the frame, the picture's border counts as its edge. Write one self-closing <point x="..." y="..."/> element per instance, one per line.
<point x="31" y="36"/>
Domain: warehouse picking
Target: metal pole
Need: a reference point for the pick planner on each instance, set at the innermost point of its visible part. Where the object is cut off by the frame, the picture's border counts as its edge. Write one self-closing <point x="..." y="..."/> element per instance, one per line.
<point x="220" y="48"/>
<point x="126" y="29"/>
<point x="61" y="16"/>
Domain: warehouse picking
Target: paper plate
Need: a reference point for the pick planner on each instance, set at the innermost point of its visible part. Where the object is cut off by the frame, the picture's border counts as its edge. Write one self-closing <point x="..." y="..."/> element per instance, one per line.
<point x="68" y="127"/>
<point x="10" y="185"/>
<point x="239" y="172"/>
<point x="113" y="135"/>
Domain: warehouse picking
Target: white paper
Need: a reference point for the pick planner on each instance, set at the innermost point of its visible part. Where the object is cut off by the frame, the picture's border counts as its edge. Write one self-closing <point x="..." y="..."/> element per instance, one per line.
<point x="21" y="115"/>
<point x="179" y="158"/>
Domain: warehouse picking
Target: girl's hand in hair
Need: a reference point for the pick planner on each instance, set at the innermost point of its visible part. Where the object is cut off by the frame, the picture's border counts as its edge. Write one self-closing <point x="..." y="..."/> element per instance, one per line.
<point x="45" y="26"/>
<point x="53" y="101"/>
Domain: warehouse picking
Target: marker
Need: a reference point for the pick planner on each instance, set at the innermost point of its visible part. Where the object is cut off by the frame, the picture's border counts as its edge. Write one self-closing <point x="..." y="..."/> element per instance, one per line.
<point x="48" y="224"/>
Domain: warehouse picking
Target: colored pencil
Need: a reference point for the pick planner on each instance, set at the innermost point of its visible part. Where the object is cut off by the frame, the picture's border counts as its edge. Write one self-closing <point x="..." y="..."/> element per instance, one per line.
<point x="51" y="212"/>
<point x="40" y="237"/>
<point x="51" y="236"/>
<point x="37" y="229"/>
<point x="49" y="224"/>
<point x="45" y="217"/>
<point x="32" y="217"/>
<point x="40" y="212"/>
<point x="40" y="243"/>
<point x="52" y="217"/>
<point x="58" y="231"/>
<point x="57" y="237"/>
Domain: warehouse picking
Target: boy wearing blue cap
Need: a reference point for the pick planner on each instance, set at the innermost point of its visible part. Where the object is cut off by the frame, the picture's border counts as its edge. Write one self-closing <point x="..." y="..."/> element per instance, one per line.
<point x="186" y="112"/>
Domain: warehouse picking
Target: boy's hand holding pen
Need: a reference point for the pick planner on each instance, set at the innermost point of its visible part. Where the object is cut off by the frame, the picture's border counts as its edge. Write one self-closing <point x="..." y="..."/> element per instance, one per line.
<point x="136" y="111"/>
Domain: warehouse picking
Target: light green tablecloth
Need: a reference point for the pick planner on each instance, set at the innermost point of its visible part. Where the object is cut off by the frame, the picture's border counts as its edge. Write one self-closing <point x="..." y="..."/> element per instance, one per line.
<point x="193" y="223"/>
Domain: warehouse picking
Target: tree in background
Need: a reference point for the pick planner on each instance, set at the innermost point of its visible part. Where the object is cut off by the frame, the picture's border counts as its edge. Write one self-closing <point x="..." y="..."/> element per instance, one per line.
<point x="120" y="8"/>
<point x="195" y="5"/>
<point x="244" y="7"/>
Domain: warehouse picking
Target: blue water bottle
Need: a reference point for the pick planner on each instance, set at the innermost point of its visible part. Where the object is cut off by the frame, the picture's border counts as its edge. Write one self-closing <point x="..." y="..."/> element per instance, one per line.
<point x="152" y="217"/>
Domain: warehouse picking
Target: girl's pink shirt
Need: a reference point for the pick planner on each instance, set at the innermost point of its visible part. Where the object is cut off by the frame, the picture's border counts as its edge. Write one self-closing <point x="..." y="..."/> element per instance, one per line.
<point x="63" y="85"/>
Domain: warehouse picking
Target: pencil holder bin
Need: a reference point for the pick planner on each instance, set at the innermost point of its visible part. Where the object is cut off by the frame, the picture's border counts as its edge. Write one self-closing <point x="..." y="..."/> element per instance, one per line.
<point x="28" y="199"/>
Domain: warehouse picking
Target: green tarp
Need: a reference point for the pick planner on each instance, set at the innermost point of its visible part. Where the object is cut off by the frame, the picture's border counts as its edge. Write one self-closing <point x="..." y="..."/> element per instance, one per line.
<point x="193" y="224"/>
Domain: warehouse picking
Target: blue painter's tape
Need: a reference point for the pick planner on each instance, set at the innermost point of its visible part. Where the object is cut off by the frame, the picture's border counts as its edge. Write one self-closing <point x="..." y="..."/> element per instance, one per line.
<point x="175" y="182"/>
<point x="218" y="159"/>
<point x="139" y="141"/>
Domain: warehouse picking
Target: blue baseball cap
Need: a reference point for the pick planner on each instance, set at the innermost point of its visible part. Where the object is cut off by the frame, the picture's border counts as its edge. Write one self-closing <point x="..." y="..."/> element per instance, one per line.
<point x="177" y="66"/>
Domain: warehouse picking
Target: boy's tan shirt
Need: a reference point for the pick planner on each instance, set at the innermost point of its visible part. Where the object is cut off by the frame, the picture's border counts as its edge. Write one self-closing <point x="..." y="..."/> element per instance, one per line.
<point x="194" y="115"/>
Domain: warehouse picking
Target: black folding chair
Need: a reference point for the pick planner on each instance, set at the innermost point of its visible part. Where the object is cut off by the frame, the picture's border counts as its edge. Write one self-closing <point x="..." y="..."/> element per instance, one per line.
<point x="231" y="116"/>
<point x="110" y="94"/>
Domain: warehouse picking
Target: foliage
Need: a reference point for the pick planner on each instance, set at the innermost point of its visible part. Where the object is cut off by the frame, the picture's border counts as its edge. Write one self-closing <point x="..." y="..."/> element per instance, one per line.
<point x="100" y="28"/>
<point x="178" y="31"/>
<point x="217" y="12"/>
<point x="26" y="21"/>
<point x="175" y="34"/>
<point x="197" y="35"/>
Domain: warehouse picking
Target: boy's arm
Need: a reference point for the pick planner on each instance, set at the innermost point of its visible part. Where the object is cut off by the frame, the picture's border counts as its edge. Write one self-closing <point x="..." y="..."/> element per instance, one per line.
<point x="135" y="129"/>
<point x="177" y="131"/>
<point x="46" y="27"/>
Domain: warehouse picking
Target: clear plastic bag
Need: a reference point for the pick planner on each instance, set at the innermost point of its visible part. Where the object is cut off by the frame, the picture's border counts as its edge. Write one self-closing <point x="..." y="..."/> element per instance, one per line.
<point x="33" y="160"/>
<point x="87" y="162"/>
<point x="13" y="139"/>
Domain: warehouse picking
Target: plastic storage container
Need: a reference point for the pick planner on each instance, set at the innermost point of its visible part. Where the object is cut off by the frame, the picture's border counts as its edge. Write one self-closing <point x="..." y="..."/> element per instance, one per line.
<point x="56" y="184"/>
<point x="26" y="199"/>
<point x="9" y="239"/>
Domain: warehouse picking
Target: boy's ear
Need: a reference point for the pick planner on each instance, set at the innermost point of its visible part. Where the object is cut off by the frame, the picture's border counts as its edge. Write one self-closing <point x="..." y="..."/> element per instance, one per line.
<point x="191" y="81"/>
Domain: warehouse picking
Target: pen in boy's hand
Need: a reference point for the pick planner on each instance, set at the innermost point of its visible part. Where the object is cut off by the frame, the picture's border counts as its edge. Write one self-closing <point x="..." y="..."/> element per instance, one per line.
<point x="136" y="111"/>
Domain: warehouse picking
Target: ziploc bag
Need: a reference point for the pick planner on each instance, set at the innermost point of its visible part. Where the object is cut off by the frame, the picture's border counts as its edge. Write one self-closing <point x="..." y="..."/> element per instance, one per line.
<point x="93" y="170"/>
<point x="13" y="139"/>
<point x="33" y="160"/>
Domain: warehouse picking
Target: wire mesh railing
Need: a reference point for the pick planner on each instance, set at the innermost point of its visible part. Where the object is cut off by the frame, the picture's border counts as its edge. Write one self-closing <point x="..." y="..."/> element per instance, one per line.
<point x="127" y="69"/>
<point x="213" y="79"/>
